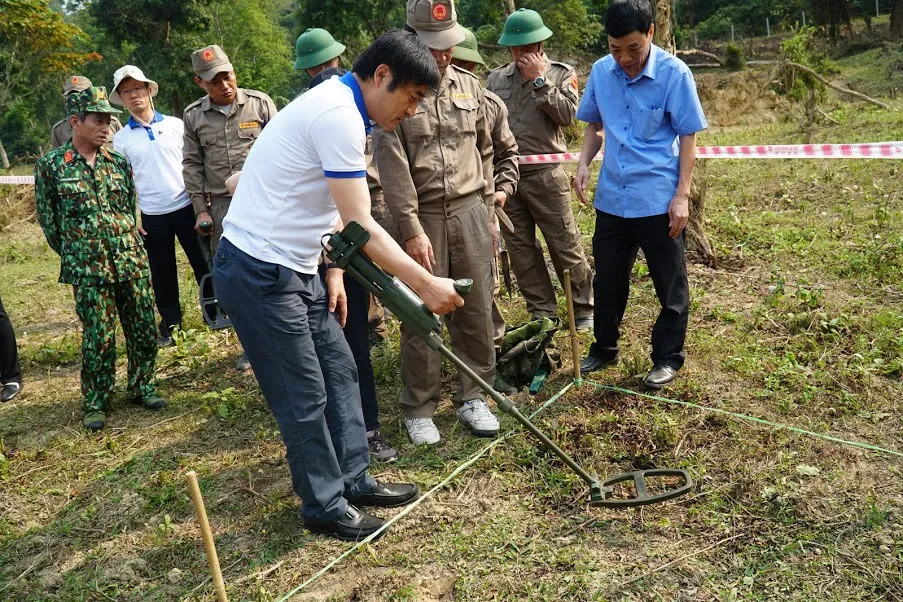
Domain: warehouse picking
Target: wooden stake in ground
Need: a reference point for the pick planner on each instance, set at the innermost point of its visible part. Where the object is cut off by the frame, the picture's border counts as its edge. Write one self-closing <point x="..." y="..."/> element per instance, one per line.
<point x="572" y="323"/>
<point x="209" y="546"/>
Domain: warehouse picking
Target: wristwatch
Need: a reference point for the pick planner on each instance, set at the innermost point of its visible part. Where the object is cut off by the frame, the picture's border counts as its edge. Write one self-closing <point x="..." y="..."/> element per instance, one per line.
<point x="539" y="82"/>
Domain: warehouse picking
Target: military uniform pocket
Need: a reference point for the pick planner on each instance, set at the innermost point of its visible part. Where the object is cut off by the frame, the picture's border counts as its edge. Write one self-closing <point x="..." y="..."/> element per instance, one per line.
<point x="75" y="200"/>
<point x="466" y="110"/>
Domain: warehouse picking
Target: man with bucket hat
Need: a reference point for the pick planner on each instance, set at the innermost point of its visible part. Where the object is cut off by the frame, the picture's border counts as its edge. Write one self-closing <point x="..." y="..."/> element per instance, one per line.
<point x="220" y="129"/>
<point x="434" y="182"/>
<point x="316" y="50"/>
<point x="541" y="96"/>
<point x="61" y="131"/>
<point x="86" y="204"/>
<point x="152" y="142"/>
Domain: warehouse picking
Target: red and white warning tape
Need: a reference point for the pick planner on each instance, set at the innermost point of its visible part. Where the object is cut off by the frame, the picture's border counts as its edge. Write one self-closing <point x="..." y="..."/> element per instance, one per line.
<point x="875" y="150"/>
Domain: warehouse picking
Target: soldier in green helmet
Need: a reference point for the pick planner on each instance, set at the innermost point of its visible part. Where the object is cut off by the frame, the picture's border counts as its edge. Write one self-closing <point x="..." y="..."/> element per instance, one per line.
<point x="316" y="50"/>
<point x="541" y="96"/>
<point x="86" y="204"/>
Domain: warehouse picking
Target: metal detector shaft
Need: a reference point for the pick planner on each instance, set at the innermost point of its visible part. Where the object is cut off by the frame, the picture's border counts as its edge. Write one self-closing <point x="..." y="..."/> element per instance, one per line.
<point x="507" y="406"/>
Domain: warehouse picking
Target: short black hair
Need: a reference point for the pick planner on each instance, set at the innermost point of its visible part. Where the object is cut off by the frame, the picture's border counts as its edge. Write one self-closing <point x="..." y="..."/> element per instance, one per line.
<point x="624" y="17"/>
<point x="410" y="61"/>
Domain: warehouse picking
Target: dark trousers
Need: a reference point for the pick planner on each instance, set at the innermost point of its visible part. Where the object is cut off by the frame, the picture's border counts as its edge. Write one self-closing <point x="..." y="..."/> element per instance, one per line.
<point x="357" y="333"/>
<point x="160" y="242"/>
<point x="10" y="370"/>
<point x="615" y="244"/>
<point x="306" y="373"/>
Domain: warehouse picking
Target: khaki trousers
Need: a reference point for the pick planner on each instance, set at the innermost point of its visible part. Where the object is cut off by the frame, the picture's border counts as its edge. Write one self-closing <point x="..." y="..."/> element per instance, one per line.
<point x="463" y="249"/>
<point x="543" y="199"/>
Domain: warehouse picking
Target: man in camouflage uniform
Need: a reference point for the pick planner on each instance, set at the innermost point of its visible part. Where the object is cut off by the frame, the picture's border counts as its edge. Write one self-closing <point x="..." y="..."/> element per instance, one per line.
<point x="219" y="131"/>
<point x="86" y="204"/>
<point x="61" y="132"/>
<point x="433" y="179"/>
<point x="541" y="96"/>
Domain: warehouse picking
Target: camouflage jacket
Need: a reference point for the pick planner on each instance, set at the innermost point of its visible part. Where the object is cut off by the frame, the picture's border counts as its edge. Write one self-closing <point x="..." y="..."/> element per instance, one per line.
<point x="88" y="216"/>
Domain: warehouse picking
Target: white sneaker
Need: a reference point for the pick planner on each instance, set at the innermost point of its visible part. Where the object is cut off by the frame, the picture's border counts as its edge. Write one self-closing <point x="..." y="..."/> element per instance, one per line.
<point x="477" y="415"/>
<point x="422" y="431"/>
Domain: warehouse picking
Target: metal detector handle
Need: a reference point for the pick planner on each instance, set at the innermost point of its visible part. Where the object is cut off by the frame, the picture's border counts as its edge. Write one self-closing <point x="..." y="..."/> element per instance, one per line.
<point x="642" y="496"/>
<point x="206" y="226"/>
<point x="463" y="286"/>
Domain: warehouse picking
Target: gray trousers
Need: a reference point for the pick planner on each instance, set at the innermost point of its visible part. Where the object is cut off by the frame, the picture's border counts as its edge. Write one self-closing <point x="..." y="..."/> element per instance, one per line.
<point x="462" y="247"/>
<point x="307" y="374"/>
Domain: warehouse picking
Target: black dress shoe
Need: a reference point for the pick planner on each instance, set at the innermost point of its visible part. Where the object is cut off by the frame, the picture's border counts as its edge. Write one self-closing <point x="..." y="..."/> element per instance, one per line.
<point x="9" y="391"/>
<point x="660" y="376"/>
<point x="591" y="363"/>
<point x="388" y="495"/>
<point x="354" y="525"/>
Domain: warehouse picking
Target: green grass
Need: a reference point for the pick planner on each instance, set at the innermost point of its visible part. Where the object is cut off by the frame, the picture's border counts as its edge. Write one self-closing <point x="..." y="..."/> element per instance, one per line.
<point x="801" y="322"/>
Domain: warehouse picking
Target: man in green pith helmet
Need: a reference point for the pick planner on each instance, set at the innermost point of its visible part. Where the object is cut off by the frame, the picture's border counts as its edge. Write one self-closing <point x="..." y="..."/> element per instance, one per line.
<point x="541" y="96"/>
<point x="505" y="173"/>
<point x="316" y="50"/>
<point x="86" y="204"/>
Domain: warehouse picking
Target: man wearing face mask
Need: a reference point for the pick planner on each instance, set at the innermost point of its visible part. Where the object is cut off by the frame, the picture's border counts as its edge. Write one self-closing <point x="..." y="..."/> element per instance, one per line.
<point x="541" y="96"/>
<point x="220" y="129"/>
<point x="434" y="182"/>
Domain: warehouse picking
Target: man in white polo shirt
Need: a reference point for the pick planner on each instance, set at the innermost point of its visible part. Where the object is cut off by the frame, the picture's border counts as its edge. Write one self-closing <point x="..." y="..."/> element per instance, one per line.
<point x="153" y="144"/>
<point x="305" y="172"/>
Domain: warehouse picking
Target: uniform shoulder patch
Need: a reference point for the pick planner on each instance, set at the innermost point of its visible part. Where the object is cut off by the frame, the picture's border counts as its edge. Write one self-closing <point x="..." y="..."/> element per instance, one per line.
<point x="257" y="94"/>
<point x="193" y="105"/>
<point x="464" y="72"/>
<point x="574" y="83"/>
<point x="68" y="156"/>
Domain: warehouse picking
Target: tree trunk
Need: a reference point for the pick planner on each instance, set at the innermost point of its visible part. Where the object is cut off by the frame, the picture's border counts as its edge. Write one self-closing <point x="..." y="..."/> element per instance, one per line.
<point x="4" y="160"/>
<point x="896" y="20"/>
<point x="698" y="246"/>
<point x="664" y="36"/>
<point x="508" y="6"/>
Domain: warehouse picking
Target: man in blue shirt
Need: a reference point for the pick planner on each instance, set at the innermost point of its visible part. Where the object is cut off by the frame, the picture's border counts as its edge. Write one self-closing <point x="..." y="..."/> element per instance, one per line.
<point x="642" y="102"/>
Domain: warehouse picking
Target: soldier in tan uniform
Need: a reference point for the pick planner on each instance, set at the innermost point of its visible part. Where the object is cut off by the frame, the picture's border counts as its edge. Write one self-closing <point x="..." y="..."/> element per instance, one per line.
<point x="61" y="131"/>
<point x="496" y="161"/>
<point x="541" y="96"/>
<point x="434" y="183"/>
<point x="219" y="131"/>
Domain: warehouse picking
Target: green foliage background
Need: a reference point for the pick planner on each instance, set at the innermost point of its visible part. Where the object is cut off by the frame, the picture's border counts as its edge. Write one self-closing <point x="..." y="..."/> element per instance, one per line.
<point x="259" y="35"/>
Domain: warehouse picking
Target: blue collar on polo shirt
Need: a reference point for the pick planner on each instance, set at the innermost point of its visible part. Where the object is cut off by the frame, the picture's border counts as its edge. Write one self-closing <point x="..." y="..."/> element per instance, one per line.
<point x="348" y="80"/>
<point x="150" y="133"/>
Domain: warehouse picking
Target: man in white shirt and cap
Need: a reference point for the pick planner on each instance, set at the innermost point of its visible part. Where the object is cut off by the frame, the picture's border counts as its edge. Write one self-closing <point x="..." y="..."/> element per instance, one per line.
<point x="152" y="142"/>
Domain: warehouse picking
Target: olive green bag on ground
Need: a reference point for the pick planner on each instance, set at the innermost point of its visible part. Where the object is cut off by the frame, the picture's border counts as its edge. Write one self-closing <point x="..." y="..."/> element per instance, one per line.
<point x="528" y="356"/>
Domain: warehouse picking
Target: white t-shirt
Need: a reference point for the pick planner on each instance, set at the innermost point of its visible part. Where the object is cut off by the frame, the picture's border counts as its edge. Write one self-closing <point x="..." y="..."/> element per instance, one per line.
<point x="155" y="152"/>
<point x="282" y="207"/>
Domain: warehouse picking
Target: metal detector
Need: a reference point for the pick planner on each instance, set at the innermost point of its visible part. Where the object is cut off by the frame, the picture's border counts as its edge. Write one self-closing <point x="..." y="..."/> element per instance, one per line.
<point x="345" y="248"/>
<point x="214" y="317"/>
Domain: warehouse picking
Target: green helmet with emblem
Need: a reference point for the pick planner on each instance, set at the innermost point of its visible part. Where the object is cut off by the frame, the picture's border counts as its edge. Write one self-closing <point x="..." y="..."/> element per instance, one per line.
<point x="524" y="27"/>
<point x="468" y="50"/>
<point x="89" y="100"/>
<point x="315" y="47"/>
